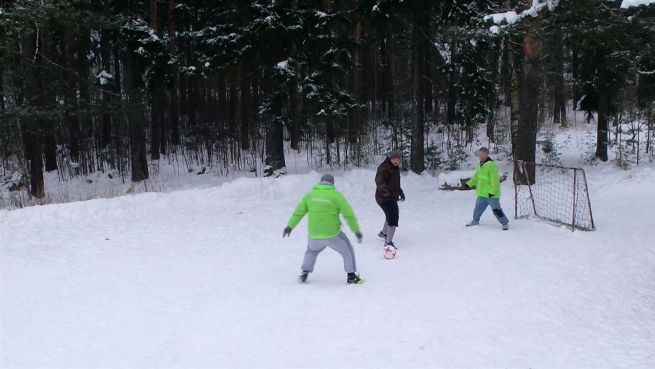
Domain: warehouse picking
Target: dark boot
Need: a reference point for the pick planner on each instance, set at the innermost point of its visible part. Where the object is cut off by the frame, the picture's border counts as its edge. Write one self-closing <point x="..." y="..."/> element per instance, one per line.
<point x="354" y="279"/>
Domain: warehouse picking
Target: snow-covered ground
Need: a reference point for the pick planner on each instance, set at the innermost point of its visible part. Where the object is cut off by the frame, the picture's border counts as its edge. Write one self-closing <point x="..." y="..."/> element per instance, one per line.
<point x="202" y="278"/>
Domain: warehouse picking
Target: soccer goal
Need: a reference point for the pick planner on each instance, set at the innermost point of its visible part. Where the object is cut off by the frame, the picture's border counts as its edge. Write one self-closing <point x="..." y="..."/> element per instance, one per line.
<point x="552" y="193"/>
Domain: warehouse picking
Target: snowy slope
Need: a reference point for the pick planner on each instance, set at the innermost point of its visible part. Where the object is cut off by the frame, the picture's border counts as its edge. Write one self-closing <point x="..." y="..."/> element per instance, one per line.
<point x="202" y="278"/>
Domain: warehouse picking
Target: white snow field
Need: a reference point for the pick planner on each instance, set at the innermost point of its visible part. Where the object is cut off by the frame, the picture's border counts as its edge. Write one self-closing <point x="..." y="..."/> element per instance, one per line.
<point x="203" y="279"/>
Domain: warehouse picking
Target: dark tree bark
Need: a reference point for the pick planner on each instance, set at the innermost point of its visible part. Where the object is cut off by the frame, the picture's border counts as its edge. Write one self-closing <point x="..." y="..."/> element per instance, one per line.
<point x="575" y="71"/>
<point x="417" y="162"/>
<point x="603" y="113"/>
<point x="295" y="100"/>
<point x="246" y="114"/>
<point x="451" y="104"/>
<point x="71" y="105"/>
<point x="105" y="55"/>
<point x="156" y="92"/>
<point x="47" y="101"/>
<point x="135" y="121"/>
<point x="274" y="160"/>
<point x="85" y="103"/>
<point x="355" y="121"/>
<point x="173" y="113"/>
<point x="559" y="95"/>
<point x="32" y="132"/>
<point x="233" y="100"/>
<point x="531" y="82"/>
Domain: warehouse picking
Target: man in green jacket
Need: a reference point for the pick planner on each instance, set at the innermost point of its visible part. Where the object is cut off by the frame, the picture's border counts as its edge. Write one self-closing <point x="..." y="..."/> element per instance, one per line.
<point x="486" y="182"/>
<point x="324" y="204"/>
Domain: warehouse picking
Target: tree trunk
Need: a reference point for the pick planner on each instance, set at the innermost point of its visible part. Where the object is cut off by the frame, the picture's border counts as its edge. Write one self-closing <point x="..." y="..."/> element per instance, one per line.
<point x="355" y="117"/>
<point x="105" y="55"/>
<point x="295" y="100"/>
<point x="233" y="99"/>
<point x="135" y="121"/>
<point x="246" y="113"/>
<point x="531" y="82"/>
<point x="71" y="105"/>
<point x="86" y="119"/>
<point x="559" y="95"/>
<point x="603" y="114"/>
<point x="417" y="162"/>
<point x="173" y="113"/>
<point x="32" y="130"/>
<point x="451" y="104"/>
<point x="47" y="101"/>
<point x="274" y="160"/>
<point x="514" y="95"/>
<point x="575" y="72"/>
<point x="155" y="93"/>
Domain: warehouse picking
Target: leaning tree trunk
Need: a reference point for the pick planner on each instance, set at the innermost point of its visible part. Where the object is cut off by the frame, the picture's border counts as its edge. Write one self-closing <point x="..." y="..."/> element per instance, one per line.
<point x="531" y="82"/>
<point x="417" y="162"/>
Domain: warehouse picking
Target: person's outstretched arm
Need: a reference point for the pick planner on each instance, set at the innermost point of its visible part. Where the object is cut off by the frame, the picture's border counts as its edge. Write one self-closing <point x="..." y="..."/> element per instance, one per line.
<point x="298" y="213"/>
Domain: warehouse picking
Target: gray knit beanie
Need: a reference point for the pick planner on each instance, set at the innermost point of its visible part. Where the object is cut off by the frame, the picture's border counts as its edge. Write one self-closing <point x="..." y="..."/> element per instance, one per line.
<point x="327" y="179"/>
<point x="395" y="154"/>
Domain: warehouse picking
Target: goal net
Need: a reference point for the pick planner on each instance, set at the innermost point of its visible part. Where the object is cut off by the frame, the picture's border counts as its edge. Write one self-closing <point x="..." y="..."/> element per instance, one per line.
<point x="552" y="193"/>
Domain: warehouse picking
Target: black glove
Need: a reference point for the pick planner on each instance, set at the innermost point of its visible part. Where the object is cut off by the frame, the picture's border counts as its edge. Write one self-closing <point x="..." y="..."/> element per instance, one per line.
<point x="491" y="195"/>
<point x="287" y="232"/>
<point x="359" y="236"/>
<point x="401" y="197"/>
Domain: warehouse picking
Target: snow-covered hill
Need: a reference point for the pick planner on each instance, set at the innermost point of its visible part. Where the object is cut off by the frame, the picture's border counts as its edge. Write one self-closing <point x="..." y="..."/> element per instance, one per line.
<point x="202" y="278"/>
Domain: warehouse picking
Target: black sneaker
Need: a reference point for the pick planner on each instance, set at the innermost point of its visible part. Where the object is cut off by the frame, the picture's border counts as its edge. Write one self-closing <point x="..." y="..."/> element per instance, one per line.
<point x="382" y="235"/>
<point x="303" y="277"/>
<point x="354" y="279"/>
<point x="390" y="244"/>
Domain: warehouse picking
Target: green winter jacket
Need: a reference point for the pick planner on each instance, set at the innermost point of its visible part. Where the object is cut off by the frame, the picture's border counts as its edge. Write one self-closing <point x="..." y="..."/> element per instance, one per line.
<point x="324" y="204"/>
<point x="486" y="180"/>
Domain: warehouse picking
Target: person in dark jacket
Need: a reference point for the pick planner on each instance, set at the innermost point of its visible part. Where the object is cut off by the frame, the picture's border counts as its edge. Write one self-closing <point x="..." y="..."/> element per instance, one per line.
<point x="387" y="194"/>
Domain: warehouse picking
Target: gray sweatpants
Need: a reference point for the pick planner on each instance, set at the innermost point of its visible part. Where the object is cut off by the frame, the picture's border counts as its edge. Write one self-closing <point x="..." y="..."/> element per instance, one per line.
<point x="340" y="244"/>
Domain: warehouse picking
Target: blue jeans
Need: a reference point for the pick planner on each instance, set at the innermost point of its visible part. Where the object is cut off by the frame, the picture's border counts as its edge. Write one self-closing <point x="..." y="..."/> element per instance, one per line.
<point x="481" y="205"/>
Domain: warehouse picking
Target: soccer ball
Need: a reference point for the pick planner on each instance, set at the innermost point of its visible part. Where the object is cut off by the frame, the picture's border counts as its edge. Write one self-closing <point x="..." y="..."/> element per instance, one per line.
<point x="389" y="252"/>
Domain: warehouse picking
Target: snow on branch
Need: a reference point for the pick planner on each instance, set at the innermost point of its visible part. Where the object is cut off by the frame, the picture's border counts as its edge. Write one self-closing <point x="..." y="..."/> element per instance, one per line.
<point x="502" y="20"/>
<point x="630" y="3"/>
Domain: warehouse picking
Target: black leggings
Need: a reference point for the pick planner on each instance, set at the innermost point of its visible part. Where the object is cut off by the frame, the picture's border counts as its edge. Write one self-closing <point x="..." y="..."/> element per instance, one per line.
<point x="390" y="209"/>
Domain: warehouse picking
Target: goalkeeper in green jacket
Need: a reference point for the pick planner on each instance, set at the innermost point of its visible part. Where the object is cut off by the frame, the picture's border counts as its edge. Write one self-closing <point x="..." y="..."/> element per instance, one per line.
<point x="324" y="204"/>
<point x="486" y="182"/>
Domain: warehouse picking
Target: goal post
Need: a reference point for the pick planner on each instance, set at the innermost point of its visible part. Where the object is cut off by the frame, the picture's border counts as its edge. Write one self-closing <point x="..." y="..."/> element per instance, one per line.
<point x="552" y="193"/>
